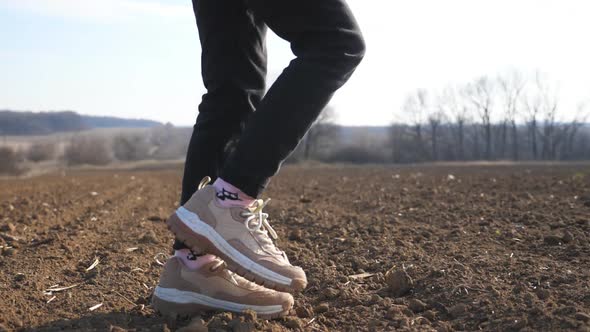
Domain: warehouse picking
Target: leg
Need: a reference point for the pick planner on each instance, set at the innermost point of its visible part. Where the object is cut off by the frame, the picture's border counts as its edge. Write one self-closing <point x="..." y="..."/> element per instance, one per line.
<point x="328" y="44"/>
<point x="233" y="65"/>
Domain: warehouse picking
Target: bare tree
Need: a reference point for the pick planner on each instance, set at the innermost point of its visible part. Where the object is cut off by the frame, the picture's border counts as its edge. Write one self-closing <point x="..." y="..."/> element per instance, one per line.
<point x="321" y="129"/>
<point x="436" y="116"/>
<point x="131" y="147"/>
<point x="533" y="106"/>
<point x="572" y="129"/>
<point x="452" y="106"/>
<point x="396" y="135"/>
<point x="41" y="151"/>
<point x="416" y="106"/>
<point x="88" y="150"/>
<point x="434" y="120"/>
<point x="547" y="103"/>
<point x="10" y="161"/>
<point x="529" y="123"/>
<point x="481" y="95"/>
<point x="511" y="86"/>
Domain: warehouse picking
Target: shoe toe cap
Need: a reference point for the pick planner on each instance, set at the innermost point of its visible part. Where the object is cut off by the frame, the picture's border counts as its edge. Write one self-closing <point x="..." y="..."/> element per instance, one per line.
<point x="298" y="278"/>
<point x="299" y="284"/>
<point x="287" y="301"/>
<point x="271" y="297"/>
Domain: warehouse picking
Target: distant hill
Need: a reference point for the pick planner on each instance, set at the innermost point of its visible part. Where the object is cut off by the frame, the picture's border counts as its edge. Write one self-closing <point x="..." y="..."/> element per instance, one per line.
<point x="114" y="122"/>
<point x="351" y="135"/>
<point x="44" y="123"/>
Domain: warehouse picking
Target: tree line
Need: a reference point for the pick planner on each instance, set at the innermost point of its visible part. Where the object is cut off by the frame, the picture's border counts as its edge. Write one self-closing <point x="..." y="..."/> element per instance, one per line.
<point x="19" y="123"/>
<point x="507" y="117"/>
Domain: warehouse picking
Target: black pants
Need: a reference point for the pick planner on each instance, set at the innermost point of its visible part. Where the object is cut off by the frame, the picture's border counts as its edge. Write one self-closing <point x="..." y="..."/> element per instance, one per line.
<point x="328" y="46"/>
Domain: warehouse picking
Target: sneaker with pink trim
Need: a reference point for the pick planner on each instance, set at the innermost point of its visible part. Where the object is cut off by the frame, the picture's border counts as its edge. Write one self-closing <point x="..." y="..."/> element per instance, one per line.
<point x="242" y="237"/>
<point x="212" y="287"/>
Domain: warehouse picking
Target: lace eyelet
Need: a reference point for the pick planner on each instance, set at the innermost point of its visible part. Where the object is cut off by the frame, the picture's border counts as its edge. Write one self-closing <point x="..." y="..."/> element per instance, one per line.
<point x="215" y="267"/>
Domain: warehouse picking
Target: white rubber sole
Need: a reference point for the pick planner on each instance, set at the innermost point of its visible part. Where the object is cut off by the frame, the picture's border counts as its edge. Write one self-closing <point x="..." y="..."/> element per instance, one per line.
<point x="184" y="297"/>
<point x="192" y="221"/>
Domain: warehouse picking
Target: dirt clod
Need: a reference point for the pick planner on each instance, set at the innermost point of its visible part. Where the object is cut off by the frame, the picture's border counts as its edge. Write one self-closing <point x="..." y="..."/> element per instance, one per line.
<point x="322" y="308"/>
<point x="304" y="312"/>
<point x="9" y="227"/>
<point x="250" y="315"/>
<point x="567" y="237"/>
<point x="552" y="240"/>
<point x="458" y="310"/>
<point x="406" y="311"/>
<point x="404" y="322"/>
<point x="293" y="323"/>
<point x="443" y="327"/>
<point x="470" y="241"/>
<point x="542" y="293"/>
<point x="398" y="281"/>
<point x="430" y="315"/>
<point x="197" y="324"/>
<point x="296" y="235"/>
<point x="217" y="322"/>
<point x="9" y="238"/>
<point x="376" y="299"/>
<point x="159" y="328"/>
<point x="330" y="293"/>
<point x="393" y="312"/>
<point x="417" y="306"/>
<point x="149" y="237"/>
<point x="582" y="316"/>
<point x="239" y="325"/>
<point x="518" y="324"/>
<point x="8" y="252"/>
<point x="376" y="325"/>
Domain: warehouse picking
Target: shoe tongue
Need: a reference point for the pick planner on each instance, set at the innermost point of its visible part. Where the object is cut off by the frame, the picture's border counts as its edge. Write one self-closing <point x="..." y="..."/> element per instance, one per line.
<point x="272" y="248"/>
<point x="256" y="206"/>
<point x="285" y="257"/>
<point x="227" y="274"/>
<point x="243" y="282"/>
<point x="252" y="207"/>
<point x="216" y="262"/>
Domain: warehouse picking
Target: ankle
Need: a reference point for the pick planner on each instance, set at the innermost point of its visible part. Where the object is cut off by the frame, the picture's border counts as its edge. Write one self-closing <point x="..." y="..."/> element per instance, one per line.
<point x="191" y="260"/>
<point x="228" y="195"/>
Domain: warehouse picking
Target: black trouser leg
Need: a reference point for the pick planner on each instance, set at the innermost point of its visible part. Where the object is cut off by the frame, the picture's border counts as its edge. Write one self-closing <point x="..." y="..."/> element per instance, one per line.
<point x="328" y="46"/>
<point x="233" y="65"/>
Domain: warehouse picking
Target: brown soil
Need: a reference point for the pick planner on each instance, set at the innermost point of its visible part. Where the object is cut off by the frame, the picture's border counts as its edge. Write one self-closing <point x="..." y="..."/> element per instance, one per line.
<point x="417" y="248"/>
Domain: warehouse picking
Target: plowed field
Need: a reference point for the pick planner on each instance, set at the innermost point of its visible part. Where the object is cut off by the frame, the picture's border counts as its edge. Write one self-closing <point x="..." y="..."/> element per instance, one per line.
<point x="469" y="248"/>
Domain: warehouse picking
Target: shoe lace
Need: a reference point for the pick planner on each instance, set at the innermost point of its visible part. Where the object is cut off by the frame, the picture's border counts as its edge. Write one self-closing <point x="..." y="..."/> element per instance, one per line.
<point x="257" y="223"/>
<point x="221" y="264"/>
<point x="205" y="181"/>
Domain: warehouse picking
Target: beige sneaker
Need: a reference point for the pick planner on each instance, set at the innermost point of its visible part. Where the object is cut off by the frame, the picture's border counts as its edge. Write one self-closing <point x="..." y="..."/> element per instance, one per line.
<point x="239" y="236"/>
<point x="213" y="287"/>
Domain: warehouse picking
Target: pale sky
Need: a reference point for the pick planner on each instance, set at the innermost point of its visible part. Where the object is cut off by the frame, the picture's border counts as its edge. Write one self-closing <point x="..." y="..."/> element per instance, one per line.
<point x="140" y="58"/>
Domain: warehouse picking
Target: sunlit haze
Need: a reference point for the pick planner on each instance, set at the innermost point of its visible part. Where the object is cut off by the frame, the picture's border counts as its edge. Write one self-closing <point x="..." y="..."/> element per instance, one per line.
<point x="140" y="59"/>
